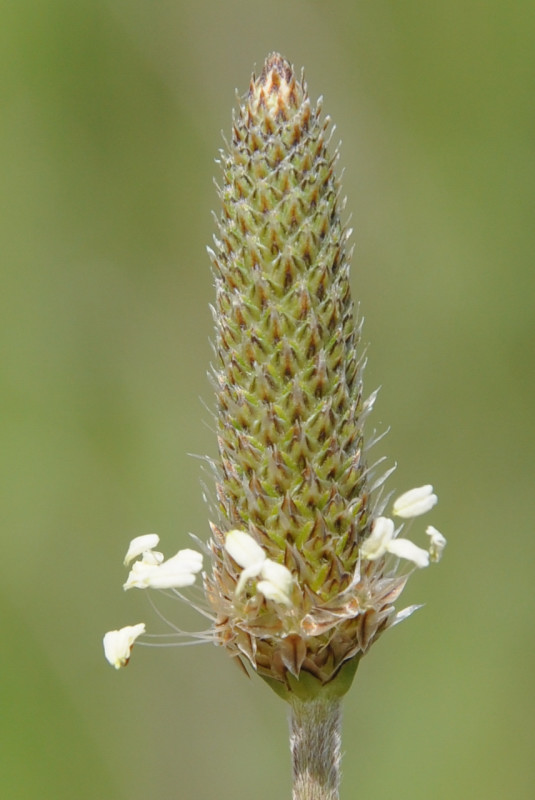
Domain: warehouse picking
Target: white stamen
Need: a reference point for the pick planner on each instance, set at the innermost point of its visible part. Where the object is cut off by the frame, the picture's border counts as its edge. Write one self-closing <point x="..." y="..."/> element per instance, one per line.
<point x="382" y="541"/>
<point x="178" y="571"/>
<point x="277" y="583"/>
<point x="376" y="545"/>
<point x="437" y="543"/>
<point x="140" y="545"/>
<point x="249" y="572"/>
<point x="118" y="644"/>
<point x="277" y="579"/>
<point x="244" y="550"/>
<point x="247" y="553"/>
<point x="415" y="502"/>
<point x="404" y="548"/>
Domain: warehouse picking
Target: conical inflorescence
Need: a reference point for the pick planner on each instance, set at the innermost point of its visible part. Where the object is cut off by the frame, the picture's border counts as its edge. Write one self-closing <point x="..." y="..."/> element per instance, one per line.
<point x="290" y="408"/>
<point x="304" y="566"/>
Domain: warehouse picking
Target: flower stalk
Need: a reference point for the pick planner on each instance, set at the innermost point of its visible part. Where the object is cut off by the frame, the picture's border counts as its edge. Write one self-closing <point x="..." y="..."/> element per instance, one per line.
<point x="315" y="742"/>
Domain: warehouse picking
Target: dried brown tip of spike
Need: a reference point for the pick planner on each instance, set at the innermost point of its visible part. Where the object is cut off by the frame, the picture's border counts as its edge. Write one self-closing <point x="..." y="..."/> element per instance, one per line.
<point x="276" y="94"/>
<point x="276" y="68"/>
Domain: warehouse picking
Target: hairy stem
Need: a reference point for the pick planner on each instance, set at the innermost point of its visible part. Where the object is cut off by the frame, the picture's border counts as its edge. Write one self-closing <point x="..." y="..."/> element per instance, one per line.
<point x="315" y="739"/>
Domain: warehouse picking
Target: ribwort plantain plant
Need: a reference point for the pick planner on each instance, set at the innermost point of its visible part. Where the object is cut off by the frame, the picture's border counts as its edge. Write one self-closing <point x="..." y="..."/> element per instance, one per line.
<point x="304" y="565"/>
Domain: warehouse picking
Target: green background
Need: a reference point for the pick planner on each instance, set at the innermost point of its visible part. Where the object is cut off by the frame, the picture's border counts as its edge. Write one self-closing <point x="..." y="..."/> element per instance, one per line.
<point x="111" y="115"/>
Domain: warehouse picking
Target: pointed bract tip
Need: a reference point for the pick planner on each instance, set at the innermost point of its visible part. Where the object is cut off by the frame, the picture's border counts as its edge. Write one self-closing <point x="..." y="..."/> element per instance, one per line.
<point x="275" y="69"/>
<point x="276" y="92"/>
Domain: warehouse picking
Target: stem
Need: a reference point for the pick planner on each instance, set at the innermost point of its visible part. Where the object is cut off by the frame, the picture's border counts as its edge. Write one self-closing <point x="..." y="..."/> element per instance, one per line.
<point x="315" y="739"/>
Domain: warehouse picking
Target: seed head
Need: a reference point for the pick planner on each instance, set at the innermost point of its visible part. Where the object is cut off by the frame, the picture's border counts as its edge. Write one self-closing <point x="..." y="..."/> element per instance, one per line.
<point x="304" y="564"/>
<point x="292" y="473"/>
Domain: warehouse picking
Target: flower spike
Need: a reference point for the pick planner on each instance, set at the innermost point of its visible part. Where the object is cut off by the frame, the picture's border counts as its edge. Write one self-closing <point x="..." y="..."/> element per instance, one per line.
<point x="306" y="567"/>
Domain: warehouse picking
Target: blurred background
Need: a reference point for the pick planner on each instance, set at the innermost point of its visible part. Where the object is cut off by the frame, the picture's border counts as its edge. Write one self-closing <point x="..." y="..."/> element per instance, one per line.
<point x="111" y="113"/>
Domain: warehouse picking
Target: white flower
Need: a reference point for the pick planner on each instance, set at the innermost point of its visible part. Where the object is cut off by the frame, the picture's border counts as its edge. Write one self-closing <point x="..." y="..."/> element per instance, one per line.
<point x="382" y="541"/>
<point x="277" y="582"/>
<point x="277" y="579"/>
<point x="377" y="542"/>
<point x="404" y="548"/>
<point x="437" y="543"/>
<point x="118" y="644"/>
<point x="243" y="549"/>
<point x="178" y="571"/>
<point x="143" y="545"/>
<point x="247" y="553"/>
<point x="415" y="502"/>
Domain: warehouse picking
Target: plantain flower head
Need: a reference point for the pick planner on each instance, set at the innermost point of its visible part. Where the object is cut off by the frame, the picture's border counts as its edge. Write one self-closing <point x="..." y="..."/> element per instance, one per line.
<point x="305" y="565"/>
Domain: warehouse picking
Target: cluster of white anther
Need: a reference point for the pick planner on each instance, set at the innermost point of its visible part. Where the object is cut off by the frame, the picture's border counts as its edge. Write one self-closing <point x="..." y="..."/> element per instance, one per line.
<point x="383" y="538"/>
